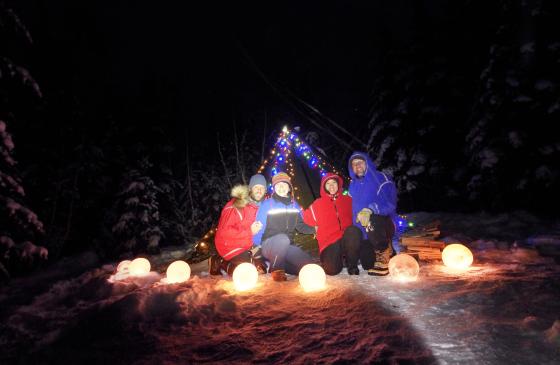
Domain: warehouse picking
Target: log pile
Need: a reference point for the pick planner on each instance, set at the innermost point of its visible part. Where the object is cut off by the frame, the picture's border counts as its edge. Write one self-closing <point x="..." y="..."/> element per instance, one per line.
<point x="421" y="242"/>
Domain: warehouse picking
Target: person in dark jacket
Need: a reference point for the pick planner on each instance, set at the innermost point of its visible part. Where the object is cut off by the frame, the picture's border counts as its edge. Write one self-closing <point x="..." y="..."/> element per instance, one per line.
<point x="338" y="239"/>
<point x="280" y="217"/>
<point x="374" y="204"/>
<point x="236" y="227"/>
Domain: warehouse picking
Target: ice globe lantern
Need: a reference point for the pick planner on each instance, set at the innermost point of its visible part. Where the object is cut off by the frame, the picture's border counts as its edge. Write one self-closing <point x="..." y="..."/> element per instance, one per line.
<point x="403" y="267"/>
<point x="245" y="276"/>
<point x="139" y="267"/>
<point x="312" y="277"/>
<point x="457" y="256"/>
<point x="178" y="272"/>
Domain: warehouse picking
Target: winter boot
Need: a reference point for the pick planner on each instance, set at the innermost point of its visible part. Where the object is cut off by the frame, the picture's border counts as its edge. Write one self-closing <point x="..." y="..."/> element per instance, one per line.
<point x="279" y="275"/>
<point x="353" y="271"/>
<point x="258" y="260"/>
<point x="381" y="266"/>
<point x="215" y="264"/>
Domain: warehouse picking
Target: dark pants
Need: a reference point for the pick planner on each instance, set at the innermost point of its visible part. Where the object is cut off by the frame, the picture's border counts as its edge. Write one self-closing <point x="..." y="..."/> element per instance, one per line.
<point x="383" y="231"/>
<point x="348" y="247"/>
<point x="378" y="240"/>
<point x="281" y="254"/>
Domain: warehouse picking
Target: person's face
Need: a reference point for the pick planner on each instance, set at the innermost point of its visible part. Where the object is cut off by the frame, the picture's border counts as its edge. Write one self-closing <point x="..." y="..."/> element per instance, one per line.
<point x="331" y="186"/>
<point x="282" y="189"/>
<point x="359" y="167"/>
<point x="257" y="192"/>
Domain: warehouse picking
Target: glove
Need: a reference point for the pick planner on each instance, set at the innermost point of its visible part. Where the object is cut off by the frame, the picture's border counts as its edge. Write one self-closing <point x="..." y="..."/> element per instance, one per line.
<point x="256" y="227"/>
<point x="364" y="217"/>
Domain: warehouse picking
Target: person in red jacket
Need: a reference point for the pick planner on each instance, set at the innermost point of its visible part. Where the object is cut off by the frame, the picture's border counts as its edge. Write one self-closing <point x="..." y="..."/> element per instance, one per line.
<point x="236" y="227"/>
<point x="338" y="238"/>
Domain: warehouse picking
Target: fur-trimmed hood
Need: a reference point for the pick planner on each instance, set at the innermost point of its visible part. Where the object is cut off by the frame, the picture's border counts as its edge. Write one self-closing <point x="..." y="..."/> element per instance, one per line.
<point x="241" y="195"/>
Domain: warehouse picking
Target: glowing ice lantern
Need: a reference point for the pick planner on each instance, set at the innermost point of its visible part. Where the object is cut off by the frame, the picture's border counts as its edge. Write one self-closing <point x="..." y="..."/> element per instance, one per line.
<point x="457" y="256"/>
<point x="312" y="278"/>
<point x="403" y="267"/>
<point x="139" y="267"/>
<point x="178" y="272"/>
<point x="245" y="276"/>
<point x="123" y="266"/>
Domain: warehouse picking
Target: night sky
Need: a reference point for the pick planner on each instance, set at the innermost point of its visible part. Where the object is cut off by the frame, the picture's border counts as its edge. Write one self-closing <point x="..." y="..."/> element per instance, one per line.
<point x="203" y="65"/>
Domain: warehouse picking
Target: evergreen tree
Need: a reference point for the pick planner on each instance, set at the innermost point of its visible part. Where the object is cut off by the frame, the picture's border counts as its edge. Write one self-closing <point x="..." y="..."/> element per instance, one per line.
<point x="137" y="228"/>
<point x="19" y="225"/>
<point x="172" y="218"/>
<point x="413" y="132"/>
<point x="512" y="152"/>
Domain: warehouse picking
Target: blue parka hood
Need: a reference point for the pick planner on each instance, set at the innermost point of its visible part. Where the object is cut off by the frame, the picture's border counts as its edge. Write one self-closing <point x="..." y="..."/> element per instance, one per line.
<point x="375" y="190"/>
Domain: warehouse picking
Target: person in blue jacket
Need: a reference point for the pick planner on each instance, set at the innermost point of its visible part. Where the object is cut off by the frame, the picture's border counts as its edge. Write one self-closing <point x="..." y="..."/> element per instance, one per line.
<point x="374" y="205"/>
<point x="280" y="217"/>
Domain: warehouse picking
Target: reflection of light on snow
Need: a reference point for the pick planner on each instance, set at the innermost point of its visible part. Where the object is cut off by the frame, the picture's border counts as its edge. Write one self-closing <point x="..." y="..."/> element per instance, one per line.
<point x="471" y="271"/>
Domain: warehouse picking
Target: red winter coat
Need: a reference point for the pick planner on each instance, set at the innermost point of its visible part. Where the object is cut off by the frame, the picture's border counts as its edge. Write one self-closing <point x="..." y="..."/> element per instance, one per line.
<point x="234" y="235"/>
<point x="331" y="214"/>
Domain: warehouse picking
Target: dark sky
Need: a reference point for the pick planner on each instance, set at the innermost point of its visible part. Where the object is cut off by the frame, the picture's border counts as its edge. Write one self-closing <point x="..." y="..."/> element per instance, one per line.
<point x="199" y="64"/>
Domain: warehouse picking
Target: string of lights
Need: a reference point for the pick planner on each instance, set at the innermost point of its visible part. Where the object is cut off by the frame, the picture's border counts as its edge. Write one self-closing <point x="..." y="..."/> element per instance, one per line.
<point x="282" y="156"/>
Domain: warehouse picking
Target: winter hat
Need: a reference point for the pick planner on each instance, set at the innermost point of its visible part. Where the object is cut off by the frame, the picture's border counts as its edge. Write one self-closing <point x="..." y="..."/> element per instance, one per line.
<point x="281" y="177"/>
<point x="257" y="179"/>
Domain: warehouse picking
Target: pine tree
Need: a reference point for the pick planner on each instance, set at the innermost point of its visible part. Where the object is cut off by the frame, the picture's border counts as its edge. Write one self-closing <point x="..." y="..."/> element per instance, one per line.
<point x="173" y="220"/>
<point x="413" y="130"/>
<point x="137" y="228"/>
<point x="19" y="225"/>
<point x="512" y="152"/>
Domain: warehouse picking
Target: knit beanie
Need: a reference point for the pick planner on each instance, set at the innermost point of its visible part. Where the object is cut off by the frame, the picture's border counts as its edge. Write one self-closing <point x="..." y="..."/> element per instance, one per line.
<point x="281" y="177"/>
<point x="257" y="179"/>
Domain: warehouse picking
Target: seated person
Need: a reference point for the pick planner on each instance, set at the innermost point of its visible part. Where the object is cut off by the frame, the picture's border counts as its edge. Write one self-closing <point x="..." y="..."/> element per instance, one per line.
<point x="280" y="217"/>
<point x="338" y="238"/>
<point x="236" y="227"/>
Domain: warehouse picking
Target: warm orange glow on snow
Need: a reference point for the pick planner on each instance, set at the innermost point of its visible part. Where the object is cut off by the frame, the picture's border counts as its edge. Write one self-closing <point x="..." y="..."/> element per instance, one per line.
<point x="139" y="267"/>
<point x="245" y="276"/>
<point x="403" y="267"/>
<point x="312" y="278"/>
<point x="178" y="272"/>
<point x="457" y="256"/>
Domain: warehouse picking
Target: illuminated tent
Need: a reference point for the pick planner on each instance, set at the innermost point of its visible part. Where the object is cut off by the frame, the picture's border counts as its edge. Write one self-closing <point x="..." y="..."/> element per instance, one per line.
<point x="292" y="155"/>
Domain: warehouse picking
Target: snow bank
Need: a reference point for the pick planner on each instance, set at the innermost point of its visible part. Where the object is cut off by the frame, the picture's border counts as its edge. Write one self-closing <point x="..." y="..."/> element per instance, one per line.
<point x="504" y="309"/>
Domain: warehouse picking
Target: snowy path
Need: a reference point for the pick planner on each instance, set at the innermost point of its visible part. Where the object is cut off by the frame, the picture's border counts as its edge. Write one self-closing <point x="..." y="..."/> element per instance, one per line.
<point x="501" y="311"/>
<point x="496" y="313"/>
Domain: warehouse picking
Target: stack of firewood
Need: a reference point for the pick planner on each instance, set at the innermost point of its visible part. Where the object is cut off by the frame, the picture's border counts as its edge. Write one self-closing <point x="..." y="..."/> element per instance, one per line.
<point x="421" y="242"/>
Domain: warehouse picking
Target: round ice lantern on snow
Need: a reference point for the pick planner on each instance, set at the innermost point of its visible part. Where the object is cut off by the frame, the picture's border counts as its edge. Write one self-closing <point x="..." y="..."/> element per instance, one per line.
<point x="403" y="267"/>
<point x="245" y="276"/>
<point x="178" y="272"/>
<point x="139" y="267"/>
<point x="457" y="256"/>
<point x="123" y="266"/>
<point x="312" y="278"/>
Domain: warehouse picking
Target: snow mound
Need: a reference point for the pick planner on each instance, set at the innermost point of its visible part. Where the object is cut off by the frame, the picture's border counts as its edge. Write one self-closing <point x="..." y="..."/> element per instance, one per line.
<point x="89" y="319"/>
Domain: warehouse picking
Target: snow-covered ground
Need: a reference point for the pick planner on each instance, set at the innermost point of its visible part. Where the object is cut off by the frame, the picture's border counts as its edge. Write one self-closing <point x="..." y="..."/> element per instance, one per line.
<point x="504" y="309"/>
